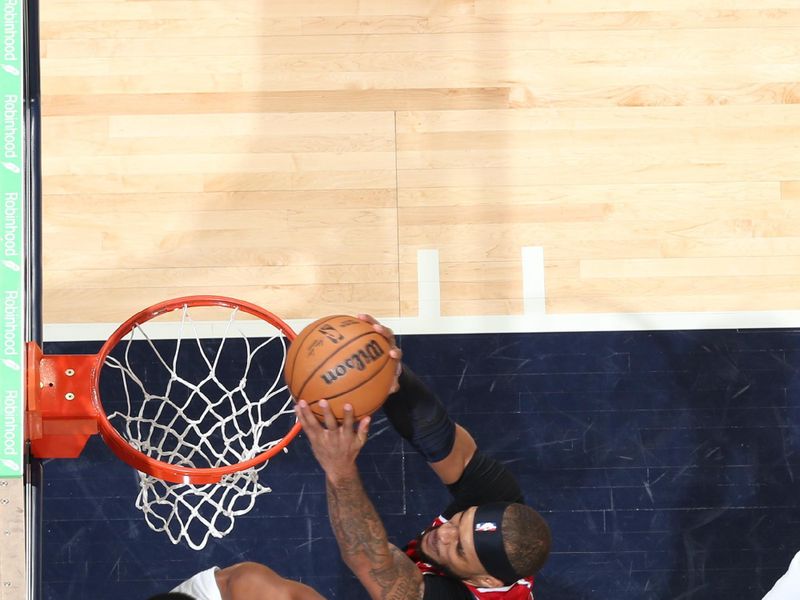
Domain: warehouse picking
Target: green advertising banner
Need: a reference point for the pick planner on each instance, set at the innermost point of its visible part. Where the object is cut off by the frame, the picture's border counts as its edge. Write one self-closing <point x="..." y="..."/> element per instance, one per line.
<point x="12" y="265"/>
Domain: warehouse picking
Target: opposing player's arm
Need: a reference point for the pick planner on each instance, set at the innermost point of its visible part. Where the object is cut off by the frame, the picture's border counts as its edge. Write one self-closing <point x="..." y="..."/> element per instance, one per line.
<point x="383" y="569"/>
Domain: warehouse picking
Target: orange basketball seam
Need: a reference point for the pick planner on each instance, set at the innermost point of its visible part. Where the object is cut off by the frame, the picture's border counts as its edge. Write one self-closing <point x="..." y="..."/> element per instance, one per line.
<point x="295" y="348"/>
<point x="361" y="383"/>
<point x="317" y="367"/>
<point x="300" y="340"/>
<point x="369" y="412"/>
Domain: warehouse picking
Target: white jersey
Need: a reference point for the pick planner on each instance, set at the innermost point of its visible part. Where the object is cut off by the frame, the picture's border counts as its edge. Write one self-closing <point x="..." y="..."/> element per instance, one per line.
<point x="202" y="586"/>
<point x="788" y="586"/>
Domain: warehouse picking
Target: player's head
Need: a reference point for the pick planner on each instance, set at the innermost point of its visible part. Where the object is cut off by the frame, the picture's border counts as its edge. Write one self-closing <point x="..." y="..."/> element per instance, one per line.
<point x="490" y="545"/>
<point x="172" y="596"/>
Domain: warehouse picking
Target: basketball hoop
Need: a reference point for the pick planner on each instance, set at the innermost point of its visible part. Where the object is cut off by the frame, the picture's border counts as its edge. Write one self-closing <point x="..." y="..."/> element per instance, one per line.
<point x="196" y="404"/>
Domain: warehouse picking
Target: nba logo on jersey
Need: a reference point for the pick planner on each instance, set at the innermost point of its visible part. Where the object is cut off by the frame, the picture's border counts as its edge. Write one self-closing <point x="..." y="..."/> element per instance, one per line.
<point x="489" y="526"/>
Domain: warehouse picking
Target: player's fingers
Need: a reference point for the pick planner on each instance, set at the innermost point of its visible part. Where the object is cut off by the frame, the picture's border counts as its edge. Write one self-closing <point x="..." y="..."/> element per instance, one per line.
<point x="347" y="423"/>
<point x="385" y="332"/>
<point x="309" y="423"/>
<point x="379" y="327"/>
<point x="398" y="370"/>
<point x="363" y="430"/>
<point x="327" y="415"/>
<point x="397" y="354"/>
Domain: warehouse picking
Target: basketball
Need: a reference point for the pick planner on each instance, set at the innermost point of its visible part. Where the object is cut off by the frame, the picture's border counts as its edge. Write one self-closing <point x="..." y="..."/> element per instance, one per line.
<point x="343" y="360"/>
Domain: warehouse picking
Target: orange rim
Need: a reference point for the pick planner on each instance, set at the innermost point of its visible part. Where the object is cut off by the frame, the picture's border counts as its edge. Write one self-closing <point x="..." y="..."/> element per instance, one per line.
<point x="140" y="461"/>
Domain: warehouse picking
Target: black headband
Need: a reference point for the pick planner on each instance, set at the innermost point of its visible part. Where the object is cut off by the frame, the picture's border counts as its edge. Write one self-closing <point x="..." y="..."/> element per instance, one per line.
<point x="487" y="531"/>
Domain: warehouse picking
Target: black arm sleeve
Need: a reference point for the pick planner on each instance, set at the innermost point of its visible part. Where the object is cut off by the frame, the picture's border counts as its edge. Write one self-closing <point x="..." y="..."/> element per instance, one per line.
<point x="484" y="480"/>
<point x="420" y="417"/>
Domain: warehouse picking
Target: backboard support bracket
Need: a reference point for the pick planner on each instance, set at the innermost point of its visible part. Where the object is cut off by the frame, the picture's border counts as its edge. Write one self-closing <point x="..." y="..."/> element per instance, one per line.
<point x="61" y="413"/>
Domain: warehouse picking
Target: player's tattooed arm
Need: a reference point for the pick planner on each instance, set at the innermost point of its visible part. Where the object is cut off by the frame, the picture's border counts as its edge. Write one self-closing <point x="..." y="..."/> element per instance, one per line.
<point x="384" y="570"/>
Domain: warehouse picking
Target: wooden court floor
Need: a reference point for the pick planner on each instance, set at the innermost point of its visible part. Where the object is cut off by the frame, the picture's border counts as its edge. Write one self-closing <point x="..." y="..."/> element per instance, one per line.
<point x="300" y="155"/>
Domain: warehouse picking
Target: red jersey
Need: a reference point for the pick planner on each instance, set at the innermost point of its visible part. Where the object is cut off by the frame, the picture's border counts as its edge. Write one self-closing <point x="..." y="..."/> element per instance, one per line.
<point x="519" y="590"/>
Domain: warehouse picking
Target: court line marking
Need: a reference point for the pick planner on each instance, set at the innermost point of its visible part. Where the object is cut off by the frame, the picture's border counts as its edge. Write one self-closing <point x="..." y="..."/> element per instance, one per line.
<point x="57" y="332"/>
<point x="428" y="284"/>
<point x="533" y="290"/>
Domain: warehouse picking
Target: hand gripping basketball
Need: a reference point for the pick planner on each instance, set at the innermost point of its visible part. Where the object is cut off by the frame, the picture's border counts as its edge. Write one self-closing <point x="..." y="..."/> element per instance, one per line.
<point x="395" y="352"/>
<point x="343" y="359"/>
<point x="336" y="445"/>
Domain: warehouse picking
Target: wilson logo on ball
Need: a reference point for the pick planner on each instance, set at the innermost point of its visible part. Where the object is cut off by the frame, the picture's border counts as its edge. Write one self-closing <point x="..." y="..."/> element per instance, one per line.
<point x="358" y="362"/>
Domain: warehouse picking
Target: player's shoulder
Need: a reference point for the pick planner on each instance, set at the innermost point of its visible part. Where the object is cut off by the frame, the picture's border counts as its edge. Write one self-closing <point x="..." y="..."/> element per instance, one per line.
<point x="254" y="581"/>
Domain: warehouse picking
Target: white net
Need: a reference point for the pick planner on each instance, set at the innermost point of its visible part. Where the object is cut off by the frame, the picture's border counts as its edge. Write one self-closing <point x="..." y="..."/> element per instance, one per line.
<point x="199" y="400"/>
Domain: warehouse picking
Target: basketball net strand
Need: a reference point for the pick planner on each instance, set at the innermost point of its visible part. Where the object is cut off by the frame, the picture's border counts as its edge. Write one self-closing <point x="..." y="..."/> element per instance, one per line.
<point x="198" y="424"/>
